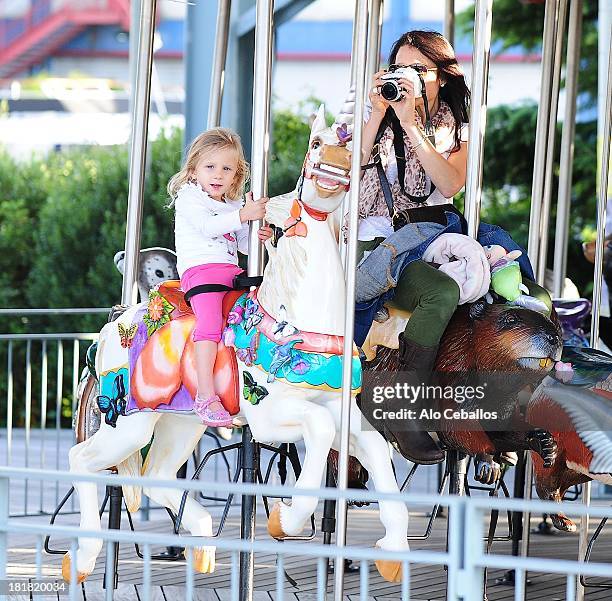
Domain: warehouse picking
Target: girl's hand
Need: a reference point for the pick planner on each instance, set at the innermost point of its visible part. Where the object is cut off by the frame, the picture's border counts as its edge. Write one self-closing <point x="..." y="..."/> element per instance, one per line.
<point x="264" y="233"/>
<point x="253" y="209"/>
<point x="379" y="104"/>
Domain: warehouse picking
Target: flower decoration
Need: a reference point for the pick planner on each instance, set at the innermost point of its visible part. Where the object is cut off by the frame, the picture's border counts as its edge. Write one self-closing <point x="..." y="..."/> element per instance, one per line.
<point x="158" y="312"/>
<point x="236" y="315"/>
<point x="229" y="337"/>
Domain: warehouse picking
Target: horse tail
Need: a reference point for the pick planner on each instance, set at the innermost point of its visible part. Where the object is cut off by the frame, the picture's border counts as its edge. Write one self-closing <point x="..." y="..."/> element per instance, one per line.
<point x="132" y="466"/>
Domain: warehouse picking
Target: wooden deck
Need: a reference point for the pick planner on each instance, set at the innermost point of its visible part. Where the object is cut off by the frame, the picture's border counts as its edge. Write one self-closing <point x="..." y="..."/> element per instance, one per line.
<point x="427" y="582"/>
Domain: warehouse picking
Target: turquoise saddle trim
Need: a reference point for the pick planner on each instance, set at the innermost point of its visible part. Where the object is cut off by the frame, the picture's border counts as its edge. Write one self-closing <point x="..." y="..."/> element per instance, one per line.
<point x="281" y="360"/>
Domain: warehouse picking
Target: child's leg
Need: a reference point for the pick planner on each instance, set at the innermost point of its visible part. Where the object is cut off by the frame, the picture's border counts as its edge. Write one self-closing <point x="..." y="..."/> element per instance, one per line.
<point x="207" y="308"/>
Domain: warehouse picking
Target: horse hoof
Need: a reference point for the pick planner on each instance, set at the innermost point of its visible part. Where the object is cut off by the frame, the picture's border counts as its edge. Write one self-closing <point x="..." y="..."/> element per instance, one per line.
<point x="391" y="571"/>
<point x="563" y="523"/>
<point x="203" y="559"/>
<point x="80" y="576"/>
<point x="275" y="529"/>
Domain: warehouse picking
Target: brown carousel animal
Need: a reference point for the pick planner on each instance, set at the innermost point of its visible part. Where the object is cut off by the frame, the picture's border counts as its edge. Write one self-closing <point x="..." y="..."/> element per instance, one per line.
<point x="578" y="411"/>
<point x="519" y="344"/>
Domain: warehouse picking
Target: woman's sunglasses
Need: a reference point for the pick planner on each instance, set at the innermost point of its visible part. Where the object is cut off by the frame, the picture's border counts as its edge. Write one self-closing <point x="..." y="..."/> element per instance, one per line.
<point x="416" y="66"/>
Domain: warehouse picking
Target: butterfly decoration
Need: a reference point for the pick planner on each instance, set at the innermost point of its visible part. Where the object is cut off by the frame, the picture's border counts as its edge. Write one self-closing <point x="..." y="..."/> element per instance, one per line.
<point x="283" y="328"/>
<point x="126" y="335"/>
<point x="114" y="406"/>
<point x="251" y="315"/>
<point x="281" y="356"/>
<point x="299" y="363"/>
<point x="294" y="226"/>
<point x="344" y="135"/>
<point x="251" y="391"/>
<point x="248" y="355"/>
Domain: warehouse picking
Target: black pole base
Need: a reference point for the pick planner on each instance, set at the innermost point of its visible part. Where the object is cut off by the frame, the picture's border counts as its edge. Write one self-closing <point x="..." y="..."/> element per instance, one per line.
<point x="509" y="579"/>
<point x="115" y="495"/>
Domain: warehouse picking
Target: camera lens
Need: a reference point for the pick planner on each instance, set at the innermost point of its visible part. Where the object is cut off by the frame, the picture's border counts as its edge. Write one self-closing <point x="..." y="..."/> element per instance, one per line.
<point x="390" y="91"/>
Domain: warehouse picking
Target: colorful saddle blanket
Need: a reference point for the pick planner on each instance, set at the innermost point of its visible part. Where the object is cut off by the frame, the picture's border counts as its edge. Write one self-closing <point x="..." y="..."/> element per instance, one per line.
<point x="156" y="359"/>
<point x="301" y="358"/>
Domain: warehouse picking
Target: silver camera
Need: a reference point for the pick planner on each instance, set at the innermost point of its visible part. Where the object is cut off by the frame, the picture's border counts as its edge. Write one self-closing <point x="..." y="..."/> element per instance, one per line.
<point x="390" y="90"/>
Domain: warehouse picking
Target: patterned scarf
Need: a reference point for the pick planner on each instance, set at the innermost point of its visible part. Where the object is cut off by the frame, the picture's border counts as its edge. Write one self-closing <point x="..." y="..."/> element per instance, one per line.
<point x="371" y="198"/>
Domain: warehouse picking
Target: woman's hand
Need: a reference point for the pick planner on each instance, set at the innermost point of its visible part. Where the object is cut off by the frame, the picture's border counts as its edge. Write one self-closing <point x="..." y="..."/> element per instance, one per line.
<point x="253" y="209"/>
<point x="264" y="233"/>
<point x="405" y="108"/>
<point x="379" y="104"/>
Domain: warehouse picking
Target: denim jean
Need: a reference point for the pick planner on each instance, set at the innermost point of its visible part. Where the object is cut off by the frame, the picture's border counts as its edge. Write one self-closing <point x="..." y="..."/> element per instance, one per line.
<point x="379" y="271"/>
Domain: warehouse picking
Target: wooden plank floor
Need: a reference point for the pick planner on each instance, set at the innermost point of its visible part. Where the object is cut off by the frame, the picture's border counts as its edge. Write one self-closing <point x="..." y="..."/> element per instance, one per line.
<point x="427" y="582"/>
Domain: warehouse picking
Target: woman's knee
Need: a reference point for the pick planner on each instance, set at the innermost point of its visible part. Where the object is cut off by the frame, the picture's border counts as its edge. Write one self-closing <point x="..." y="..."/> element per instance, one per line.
<point x="442" y="297"/>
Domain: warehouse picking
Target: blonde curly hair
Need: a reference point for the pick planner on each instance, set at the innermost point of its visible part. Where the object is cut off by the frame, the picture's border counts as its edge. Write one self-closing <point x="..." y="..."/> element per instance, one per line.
<point x="218" y="138"/>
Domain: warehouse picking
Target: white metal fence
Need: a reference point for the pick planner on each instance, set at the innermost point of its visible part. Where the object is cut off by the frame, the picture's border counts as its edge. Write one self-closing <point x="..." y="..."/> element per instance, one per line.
<point x="465" y="559"/>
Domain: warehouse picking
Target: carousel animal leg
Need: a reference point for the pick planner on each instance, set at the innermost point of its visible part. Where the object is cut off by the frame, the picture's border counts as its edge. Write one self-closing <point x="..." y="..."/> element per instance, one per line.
<point x="106" y="448"/>
<point x="290" y="420"/>
<point x="164" y="459"/>
<point x="373" y="453"/>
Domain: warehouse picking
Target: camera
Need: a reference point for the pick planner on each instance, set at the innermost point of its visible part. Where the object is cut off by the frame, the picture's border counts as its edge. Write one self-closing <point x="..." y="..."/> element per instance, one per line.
<point x="390" y="90"/>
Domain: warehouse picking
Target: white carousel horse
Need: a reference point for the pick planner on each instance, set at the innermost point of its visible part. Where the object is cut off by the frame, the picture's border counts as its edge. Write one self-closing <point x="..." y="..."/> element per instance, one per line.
<point x="287" y="394"/>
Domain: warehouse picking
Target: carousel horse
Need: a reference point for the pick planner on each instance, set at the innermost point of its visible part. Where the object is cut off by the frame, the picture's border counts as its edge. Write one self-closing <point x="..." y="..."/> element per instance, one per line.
<point x="485" y="338"/>
<point x="279" y="363"/>
<point x="577" y="407"/>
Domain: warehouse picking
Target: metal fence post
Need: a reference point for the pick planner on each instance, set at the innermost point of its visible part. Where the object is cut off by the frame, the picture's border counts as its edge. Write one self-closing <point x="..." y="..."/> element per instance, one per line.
<point x="4" y="514"/>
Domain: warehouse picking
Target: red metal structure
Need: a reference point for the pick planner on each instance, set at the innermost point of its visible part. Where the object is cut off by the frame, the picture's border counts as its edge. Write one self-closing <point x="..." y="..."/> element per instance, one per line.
<point x="48" y="25"/>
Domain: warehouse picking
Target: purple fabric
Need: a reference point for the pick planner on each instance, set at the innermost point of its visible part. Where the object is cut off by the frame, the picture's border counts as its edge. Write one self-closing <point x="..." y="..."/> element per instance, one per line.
<point x="180" y="402"/>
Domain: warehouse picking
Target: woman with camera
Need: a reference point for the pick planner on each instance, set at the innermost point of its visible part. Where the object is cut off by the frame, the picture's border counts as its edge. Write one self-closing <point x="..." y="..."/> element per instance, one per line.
<point x="416" y="141"/>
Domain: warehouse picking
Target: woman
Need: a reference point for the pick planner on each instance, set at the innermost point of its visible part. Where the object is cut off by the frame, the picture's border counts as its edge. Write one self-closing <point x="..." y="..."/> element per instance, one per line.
<point x="418" y="158"/>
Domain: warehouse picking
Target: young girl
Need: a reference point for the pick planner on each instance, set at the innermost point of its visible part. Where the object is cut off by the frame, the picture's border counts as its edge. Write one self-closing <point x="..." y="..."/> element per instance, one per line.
<point x="211" y="227"/>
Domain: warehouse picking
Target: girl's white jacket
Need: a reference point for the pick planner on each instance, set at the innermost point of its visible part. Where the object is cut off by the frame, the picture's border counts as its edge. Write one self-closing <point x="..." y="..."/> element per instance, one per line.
<point x="207" y="230"/>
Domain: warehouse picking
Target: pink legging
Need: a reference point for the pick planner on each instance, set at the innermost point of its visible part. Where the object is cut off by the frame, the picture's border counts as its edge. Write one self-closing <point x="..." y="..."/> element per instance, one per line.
<point x="208" y="306"/>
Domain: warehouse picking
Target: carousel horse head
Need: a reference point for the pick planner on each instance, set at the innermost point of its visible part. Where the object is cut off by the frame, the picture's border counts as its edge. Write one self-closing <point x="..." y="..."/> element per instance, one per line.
<point x="327" y="165"/>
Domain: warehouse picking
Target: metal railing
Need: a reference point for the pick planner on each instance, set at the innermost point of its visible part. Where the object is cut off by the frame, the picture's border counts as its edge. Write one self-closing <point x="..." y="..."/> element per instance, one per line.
<point x="465" y="558"/>
<point x="42" y="376"/>
<point x="39" y="380"/>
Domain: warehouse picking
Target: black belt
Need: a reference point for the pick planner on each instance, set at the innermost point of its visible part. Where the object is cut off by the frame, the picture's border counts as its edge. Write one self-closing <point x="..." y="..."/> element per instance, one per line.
<point x="240" y="282"/>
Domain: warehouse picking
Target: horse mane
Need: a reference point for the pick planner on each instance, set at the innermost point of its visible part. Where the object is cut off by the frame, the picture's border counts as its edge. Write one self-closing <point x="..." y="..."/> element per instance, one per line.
<point x="280" y="276"/>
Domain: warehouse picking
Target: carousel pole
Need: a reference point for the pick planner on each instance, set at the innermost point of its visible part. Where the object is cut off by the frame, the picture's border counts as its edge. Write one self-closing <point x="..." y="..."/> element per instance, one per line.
<point x="371" y="30"/>
<point x="449" y="21"/>
<point x="551" y="14"/>
<point x="550" y="148"/>
<point x="567" y="147"/>
<point x="602" y="197"/>
<point x="138" y="150"/>
<point x="375" y="23"/>
<point x="359" y="58"/>
<point x="478" y="113"/>
<point x="457" y="461"/>
<point x="551" y="17"/>
<point x="260" y="141"/>
<point x="219" y="59"/>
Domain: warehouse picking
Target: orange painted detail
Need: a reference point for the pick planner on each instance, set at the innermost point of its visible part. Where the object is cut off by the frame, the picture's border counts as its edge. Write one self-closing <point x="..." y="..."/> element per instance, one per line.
<point x="168" y="358"/>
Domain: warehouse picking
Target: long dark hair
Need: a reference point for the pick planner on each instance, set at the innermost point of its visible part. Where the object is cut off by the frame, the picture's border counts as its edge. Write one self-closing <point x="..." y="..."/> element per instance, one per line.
<point x="455" y="91"/>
